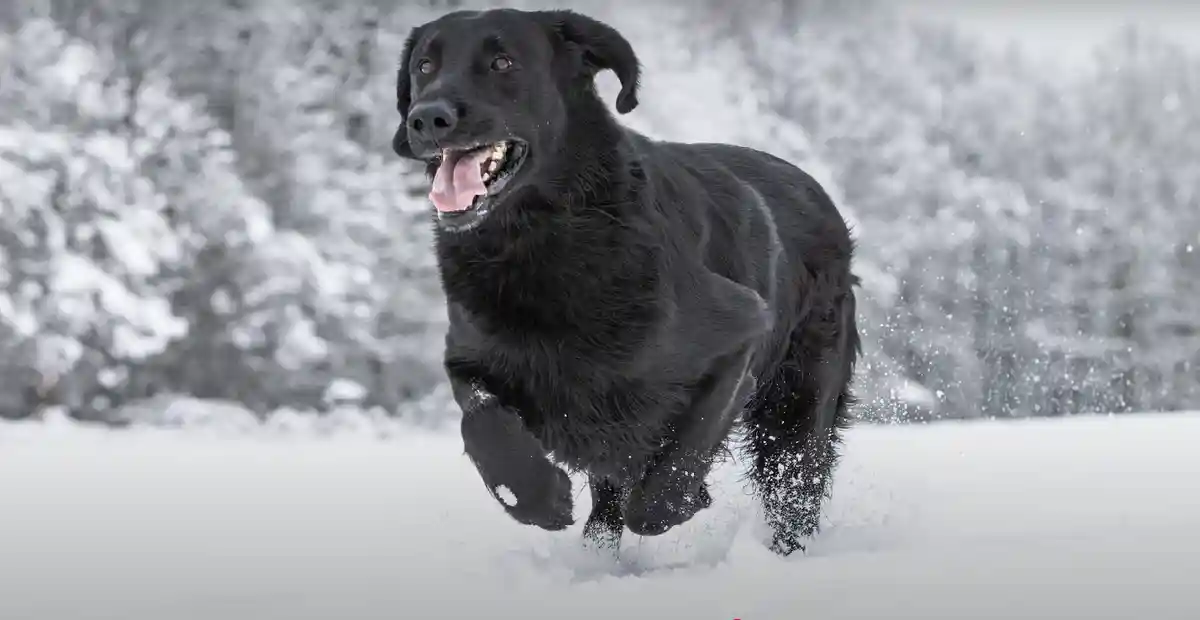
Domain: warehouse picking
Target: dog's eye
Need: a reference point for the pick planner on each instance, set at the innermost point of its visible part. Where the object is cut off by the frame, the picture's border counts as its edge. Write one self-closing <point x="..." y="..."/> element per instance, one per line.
<point x="425" y="66"/>
<point x="502" y="63"/>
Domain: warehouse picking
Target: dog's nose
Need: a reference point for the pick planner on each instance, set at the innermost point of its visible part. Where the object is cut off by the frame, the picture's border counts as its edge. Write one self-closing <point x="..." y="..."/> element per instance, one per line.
<point x="432" y="121"/>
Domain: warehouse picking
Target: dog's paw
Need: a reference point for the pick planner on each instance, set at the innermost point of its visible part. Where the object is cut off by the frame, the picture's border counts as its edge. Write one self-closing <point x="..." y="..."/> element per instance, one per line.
<point x="784" y="545"/>
<point x="516" y="470"/>
<point x="653" y="510"/>
<point x="541" y="497"/>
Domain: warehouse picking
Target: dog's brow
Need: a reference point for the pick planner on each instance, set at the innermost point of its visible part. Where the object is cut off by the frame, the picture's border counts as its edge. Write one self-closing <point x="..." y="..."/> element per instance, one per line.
<point x="494" y="43"/>
<point x="434" y="43"/>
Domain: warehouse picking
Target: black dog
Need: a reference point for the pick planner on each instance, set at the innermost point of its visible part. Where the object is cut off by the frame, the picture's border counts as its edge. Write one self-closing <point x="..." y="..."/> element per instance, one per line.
<point x="616" y="302"/>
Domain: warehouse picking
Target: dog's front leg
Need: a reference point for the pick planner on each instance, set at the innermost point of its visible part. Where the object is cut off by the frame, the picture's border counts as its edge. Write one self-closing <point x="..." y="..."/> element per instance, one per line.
<point x="674" y="489"/>
<point x="510" y="460"/>
<point x="606" y="523"/>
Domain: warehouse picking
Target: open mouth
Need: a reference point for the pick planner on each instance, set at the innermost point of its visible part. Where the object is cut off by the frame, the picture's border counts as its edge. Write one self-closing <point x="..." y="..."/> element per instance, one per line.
<point x="466" y="179"/>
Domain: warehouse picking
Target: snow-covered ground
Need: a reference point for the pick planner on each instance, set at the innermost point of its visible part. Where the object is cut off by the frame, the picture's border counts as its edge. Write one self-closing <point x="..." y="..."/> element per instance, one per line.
<point x="1080" y="518"/>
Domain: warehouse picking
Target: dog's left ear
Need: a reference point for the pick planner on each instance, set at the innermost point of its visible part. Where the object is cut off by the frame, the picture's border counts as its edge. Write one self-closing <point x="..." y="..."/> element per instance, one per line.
<point x="602" y="48"/>
<point x="404" y="94"/>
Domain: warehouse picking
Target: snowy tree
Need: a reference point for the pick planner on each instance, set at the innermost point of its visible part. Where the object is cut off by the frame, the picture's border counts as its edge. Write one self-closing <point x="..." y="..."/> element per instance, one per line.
<point x="86" y="239"/>
<point x="200" y="199"/>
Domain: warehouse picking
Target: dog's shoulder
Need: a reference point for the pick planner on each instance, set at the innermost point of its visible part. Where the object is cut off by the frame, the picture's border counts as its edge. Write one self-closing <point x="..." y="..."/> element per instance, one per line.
<point x="708" y="193"/>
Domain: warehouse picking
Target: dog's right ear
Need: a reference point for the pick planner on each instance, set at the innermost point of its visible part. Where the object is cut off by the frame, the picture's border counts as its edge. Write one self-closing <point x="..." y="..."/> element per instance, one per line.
<point x="602" y="48"/>
<point x="404" y="93"/>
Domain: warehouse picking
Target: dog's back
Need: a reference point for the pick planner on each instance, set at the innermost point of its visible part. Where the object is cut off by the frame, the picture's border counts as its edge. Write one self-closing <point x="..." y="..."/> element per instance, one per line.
<point x="754" y="218"/>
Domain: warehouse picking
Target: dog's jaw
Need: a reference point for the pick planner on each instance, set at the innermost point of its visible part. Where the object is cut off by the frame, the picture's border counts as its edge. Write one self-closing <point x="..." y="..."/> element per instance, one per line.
<point x="500" y="163"/>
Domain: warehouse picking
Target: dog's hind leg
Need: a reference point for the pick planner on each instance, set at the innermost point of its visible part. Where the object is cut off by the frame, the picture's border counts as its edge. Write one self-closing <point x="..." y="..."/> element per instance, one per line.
<point x="794" y="422"/>
<point x="720" y="318"/>
<point x="674" y="488"/>
<point x="720" y="324"/>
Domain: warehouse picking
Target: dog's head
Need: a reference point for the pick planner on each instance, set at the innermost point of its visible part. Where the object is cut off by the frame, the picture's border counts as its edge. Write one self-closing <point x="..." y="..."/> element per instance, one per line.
<point x="485" y="98"/>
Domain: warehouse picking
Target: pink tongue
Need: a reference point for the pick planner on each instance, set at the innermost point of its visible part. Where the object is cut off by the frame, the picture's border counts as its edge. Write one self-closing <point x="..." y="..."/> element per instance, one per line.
<point x="458" y="181"/>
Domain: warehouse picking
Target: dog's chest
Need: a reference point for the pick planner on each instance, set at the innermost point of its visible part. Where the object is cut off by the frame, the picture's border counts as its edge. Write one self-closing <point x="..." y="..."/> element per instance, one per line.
<point x="614" y="434"/>
<point x="588" y="415"/>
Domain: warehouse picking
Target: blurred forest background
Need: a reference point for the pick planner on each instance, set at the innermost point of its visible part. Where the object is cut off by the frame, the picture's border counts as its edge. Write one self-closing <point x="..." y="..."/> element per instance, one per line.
<point x="198" y="201"/>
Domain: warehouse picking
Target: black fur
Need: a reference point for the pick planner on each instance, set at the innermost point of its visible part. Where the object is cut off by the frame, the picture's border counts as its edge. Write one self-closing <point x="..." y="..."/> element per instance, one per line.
<point x="623" y="302"/>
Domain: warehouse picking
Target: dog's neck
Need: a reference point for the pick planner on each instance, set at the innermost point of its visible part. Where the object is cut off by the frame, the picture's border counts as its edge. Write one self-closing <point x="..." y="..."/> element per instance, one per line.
<point x="596" y="138"/>
<point x="558" y="258"/>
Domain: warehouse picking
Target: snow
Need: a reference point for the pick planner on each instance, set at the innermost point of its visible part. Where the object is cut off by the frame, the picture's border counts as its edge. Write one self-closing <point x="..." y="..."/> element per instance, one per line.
<point x="505" y="495"/>
<point x="1088" y="517"/>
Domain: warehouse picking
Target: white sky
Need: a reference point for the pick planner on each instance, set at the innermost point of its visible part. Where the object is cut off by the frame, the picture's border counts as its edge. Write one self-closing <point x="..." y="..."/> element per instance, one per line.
<point x="1063" y="30"/>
